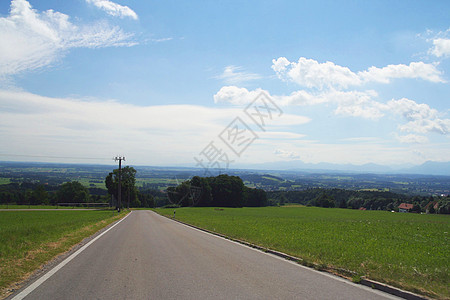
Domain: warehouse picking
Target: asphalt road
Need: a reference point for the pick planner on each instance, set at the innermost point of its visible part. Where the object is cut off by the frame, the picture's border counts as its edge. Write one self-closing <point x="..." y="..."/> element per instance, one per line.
<point x="147" y="256"/>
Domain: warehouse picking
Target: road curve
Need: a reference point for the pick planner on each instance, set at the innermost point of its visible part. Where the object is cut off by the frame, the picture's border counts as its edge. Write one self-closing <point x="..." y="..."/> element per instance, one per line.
<point x="148" y="256"/>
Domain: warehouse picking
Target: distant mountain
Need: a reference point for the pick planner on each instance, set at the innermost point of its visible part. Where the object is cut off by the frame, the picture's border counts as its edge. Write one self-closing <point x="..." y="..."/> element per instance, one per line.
<point x="431" y="167"/>
<point x="428" y="168"/>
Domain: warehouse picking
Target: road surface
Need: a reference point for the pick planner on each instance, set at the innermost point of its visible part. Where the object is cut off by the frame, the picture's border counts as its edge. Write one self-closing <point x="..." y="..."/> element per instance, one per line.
<point x="147" y="256"/>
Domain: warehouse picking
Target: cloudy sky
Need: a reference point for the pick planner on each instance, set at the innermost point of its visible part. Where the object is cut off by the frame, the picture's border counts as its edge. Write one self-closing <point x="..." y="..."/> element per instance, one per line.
<point x="226" y="83"/>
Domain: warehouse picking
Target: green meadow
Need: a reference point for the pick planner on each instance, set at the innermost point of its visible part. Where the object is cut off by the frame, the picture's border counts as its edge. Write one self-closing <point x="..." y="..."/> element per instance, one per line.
<point x="410" y="251"/>
<point x="29" y="239"/>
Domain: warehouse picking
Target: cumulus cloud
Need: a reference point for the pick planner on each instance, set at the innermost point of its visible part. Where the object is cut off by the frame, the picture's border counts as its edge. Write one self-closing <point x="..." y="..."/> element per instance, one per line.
<point x="421" y="117"/>
<point x="312" y="74"/>
<point x="234" y="75"/>
<point x="441" y="47"/>
<point x="30" y="39"/>
<point x="419" y="70"/>
<point x="114" y="9"/>
<point x="441" y="43"/>
<point x="357" y="104"/>
<point x="236" y="95"/>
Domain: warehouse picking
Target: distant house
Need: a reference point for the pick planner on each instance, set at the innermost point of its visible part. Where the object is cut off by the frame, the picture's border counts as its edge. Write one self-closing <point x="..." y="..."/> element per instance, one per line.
<point x="405" y="207"/>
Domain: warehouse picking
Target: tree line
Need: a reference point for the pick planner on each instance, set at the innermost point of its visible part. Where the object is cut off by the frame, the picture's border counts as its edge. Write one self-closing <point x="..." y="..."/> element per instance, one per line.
<point x="369" y="200"/>
<point x="221" y="191"/>
<point x="28" y="193"/>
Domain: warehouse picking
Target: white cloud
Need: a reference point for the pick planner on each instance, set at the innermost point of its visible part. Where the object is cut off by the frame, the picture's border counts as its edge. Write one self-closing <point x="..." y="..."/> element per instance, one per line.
<point x="302" y="97"/>
<point x="30" y="39"/>
<point x="161" y="40"/>
<point x="357" y="104"/>
<point x="352" y="103"/>
<point x="418" y="70"/>
<point x="412" y="110"/>
<point x="276" y="135"/>
<point x="164" y="134"/>
<point x="114" y="9"/>
<point x="233" y="75"/>
<point x="441" y="47"/>
<point x="235" y="95"/>
<point x="441" y="43"/>
<point x="421" y="117"/>
<point x="286" y="154"/>
<point x="412" y="139"/>
<point x="312" y="74"/>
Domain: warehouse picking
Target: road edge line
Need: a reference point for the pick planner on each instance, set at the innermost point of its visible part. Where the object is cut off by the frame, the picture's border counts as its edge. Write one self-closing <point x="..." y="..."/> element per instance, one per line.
<point x="50" y="273"/>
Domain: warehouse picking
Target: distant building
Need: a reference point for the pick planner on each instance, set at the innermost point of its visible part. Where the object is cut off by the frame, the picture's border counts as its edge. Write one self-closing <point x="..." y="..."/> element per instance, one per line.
<point x="405" y="207"/>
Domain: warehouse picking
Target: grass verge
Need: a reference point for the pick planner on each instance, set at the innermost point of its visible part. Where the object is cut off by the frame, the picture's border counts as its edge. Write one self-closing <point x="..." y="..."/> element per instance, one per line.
<point x="29" y="239"/>
<point x="409" y="251"/>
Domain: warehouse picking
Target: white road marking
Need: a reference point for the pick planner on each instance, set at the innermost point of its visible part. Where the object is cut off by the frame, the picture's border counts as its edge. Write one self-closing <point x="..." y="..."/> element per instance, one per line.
<point x="49" y="274"/>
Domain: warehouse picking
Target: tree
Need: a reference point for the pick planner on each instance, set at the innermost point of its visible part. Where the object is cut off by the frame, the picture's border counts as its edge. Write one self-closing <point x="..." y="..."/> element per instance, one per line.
<point x="39" y="196"/>
<point x="201" y="190"/>
<point x="324" y="200"/>
<point x="227" y="191"/>
<point x="72" y="192"/>
<point x="128" y="181"/>
<point x="180" y="195"/>
<point x="256" y="197"/>
<point x="144" y="199"/>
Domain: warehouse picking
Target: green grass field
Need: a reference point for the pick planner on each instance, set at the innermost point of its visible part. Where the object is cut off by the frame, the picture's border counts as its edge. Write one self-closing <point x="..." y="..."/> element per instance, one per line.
<point x="28" y="239"/>
<point x="4" y="180"/>
<point x="410" y="251"/>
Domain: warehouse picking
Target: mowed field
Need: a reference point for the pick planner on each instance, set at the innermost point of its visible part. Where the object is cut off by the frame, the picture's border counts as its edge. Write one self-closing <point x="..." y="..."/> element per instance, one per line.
<point x="28" y="239"/>
<point x="410" y="251"/>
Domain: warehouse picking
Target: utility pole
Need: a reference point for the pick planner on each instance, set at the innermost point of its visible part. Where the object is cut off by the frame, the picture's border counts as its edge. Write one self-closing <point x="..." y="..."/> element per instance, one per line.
<point x="119" y="200"/>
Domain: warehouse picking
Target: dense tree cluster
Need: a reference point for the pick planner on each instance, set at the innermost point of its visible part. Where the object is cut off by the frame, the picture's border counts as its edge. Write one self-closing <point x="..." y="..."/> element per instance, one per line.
<point x="27" y="193"/>
<point x="221" y="191"/>
<point x="370" y="200"/>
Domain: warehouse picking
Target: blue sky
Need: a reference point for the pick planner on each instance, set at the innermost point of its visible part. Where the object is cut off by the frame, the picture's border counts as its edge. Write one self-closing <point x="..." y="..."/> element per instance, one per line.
<point x="162" y="82"/>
